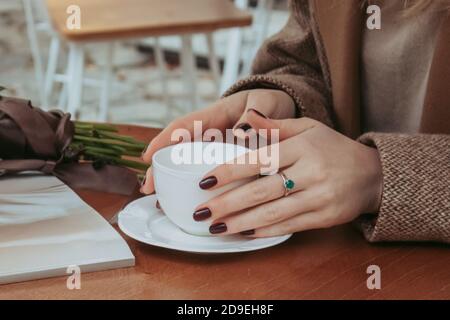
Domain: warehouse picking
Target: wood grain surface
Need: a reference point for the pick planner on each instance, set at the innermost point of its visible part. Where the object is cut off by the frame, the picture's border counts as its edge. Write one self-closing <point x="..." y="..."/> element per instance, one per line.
<point x="115" y="19"/>
<point x="320" y="264"/>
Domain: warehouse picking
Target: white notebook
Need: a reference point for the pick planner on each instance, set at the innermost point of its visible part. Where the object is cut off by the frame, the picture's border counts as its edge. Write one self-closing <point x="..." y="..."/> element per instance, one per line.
<point x="45" y="228"/>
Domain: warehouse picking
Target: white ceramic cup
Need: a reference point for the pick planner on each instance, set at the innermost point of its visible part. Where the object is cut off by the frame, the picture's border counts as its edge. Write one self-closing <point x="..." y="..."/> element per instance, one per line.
<point x="177" y="180"/>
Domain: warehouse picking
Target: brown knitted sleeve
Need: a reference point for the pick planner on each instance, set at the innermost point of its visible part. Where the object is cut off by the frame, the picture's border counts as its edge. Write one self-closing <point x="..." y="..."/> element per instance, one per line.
<point x="416" y="188"/>
<point x="289" y="61"/>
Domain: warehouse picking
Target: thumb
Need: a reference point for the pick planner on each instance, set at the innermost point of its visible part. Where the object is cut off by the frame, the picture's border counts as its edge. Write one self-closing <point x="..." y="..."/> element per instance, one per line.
<point x="287" y="127"/>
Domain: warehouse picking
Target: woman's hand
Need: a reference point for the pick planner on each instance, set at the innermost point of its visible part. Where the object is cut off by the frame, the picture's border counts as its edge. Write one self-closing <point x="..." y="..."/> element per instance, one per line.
<point x="336" y="180"/>
<point x="227" y="113"/>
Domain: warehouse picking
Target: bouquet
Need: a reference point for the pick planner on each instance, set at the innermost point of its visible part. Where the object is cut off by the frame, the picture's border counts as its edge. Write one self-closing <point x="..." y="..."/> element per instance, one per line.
<point x="81" y="154"/>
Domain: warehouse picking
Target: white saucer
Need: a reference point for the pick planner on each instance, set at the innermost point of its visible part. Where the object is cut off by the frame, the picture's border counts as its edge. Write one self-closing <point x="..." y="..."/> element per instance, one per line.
<point x="142" y="221"/>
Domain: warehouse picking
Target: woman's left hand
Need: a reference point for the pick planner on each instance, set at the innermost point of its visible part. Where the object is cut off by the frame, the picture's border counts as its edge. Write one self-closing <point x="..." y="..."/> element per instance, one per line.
<point x="336" y="179"/>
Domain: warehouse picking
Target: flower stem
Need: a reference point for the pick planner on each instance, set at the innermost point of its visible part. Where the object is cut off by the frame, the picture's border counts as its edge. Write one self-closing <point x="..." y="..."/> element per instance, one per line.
<point x="109" y="142"/>
<point x="122" y="138"/>
<point x="104" y="151"/>
<point x="99" y="141"/>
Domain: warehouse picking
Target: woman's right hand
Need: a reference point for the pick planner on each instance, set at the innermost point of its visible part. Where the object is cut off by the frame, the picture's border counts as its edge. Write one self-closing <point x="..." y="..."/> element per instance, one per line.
<point x="226" y="113"/>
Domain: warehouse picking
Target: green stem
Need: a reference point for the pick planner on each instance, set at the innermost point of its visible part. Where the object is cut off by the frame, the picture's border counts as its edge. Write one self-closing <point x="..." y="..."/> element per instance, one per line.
<point x="118" y="148"/>
<point x="104" y="151"/>
<point x="109" y="149"/>
<point x="128" y="140"/>
<point x="108" y="142"/>
<point x="84" y="132"/>
<point x="100" y="141"/>
<point x="122" y="138"/>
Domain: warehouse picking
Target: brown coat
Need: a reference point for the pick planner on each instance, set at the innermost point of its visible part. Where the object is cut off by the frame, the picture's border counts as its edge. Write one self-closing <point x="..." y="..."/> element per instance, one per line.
<point x="316" y="60"/>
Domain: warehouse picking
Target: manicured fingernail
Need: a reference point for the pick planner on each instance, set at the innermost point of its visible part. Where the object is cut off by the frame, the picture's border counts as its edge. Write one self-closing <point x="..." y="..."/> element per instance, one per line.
<point x="248" y="232"/>
<point x="202" y="214"/>
<point x="258" y="113"/>
<point x="158" y="205"/>
<point x="244" y="127"/>
<point x="208" y="182"/>
<point x="219" y="227"/>
<point x="143" y="181"/>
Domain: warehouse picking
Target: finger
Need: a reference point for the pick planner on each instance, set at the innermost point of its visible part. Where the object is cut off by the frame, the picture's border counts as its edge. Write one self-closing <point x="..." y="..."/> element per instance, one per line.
<point x="254" y="193"/>
<point x="303" y="222"/>
<point x="274" y="104"/>
<point x="286" y="128"/>
<point x="164" y="138"/>
<point x="219" y="116"/>
<point x="261" y="103"/>
<point x="267" y="159"/>
<point x="271" y="213"/>
<point x="148" y="186"/>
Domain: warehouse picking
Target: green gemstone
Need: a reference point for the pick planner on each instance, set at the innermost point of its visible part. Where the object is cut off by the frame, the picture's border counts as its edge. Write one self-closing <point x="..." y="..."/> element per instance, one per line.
<point x="289" y="184"/>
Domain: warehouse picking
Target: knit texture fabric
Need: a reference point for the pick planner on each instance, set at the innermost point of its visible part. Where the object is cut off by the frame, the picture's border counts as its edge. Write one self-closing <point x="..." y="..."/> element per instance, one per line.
<point x="415" y="204"/>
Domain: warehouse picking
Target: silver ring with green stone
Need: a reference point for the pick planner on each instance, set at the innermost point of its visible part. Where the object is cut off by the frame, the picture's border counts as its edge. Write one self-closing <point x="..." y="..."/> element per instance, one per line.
<point x="288" y="184"/>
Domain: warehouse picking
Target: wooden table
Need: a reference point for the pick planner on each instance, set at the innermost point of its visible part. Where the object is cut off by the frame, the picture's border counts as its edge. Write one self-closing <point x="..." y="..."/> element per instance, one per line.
<point x="322" y="264"/>
<point x="102" y="20"/>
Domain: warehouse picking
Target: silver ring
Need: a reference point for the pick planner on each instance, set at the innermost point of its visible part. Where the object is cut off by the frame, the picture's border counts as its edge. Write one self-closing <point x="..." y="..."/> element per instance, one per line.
<point x="288" y="184"/>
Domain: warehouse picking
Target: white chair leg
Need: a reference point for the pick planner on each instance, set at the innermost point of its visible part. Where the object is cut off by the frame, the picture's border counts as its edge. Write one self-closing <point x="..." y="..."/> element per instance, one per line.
<point x="51" y="67"/>
<point x="260" y="30"/>
<point x="75" y="78"/>
<point x="214" y="64"/>
<point x="106" y="83"/>
<point x="267" y="12"/>
<point x="232" y="60"/>
<point x="233" y="54"/>
<point x="161" y="64"/>
<point x="63" y="95"/>
<point x="189" y="70"/>
<point x="35" y="52"/>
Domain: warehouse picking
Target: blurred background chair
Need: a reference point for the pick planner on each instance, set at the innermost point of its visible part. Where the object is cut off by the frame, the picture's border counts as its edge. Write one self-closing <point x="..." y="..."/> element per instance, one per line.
<point x="177" y="54"/>
<point x="104" y="22"/>
<point x="242" y="47"/>
<point x="38" y="23"/>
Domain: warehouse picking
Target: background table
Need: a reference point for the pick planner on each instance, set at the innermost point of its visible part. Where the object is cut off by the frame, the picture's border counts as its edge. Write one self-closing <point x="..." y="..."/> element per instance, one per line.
<point x="138" y="18"/>
<point x="104" y="22"/>
<point x="323" y="264"/>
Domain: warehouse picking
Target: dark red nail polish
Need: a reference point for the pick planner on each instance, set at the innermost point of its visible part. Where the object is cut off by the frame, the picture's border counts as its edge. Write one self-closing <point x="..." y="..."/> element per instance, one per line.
<point x="219" y="227"/>
<point x="258" y="113"/>
<point x="248" y="232"/>
<point x="202" y="214"/>
<point x="244" y="126"/>
<point x="208" y="182"/>
<point x="158" y="205"/>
